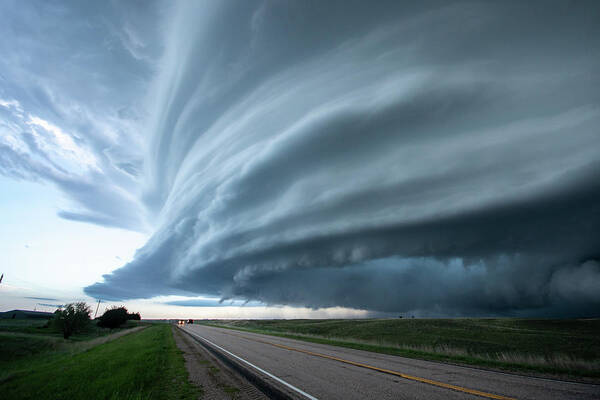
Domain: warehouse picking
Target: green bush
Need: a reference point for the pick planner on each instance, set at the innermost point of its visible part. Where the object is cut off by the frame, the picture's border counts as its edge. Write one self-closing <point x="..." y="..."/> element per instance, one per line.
<point x="134" y="316"/>
<point x="113" y="318"/>
<point x="73" y="318"/>
<point x="116" y="316"/>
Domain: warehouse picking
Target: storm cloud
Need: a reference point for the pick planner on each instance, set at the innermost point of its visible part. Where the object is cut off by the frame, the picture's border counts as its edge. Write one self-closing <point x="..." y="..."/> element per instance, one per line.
<point x="437" y="158"/>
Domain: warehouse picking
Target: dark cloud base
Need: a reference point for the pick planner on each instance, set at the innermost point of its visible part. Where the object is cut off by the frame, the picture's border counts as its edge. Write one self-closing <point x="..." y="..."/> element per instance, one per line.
<point x="536" y="258"/>
<point x="211" y="303"/>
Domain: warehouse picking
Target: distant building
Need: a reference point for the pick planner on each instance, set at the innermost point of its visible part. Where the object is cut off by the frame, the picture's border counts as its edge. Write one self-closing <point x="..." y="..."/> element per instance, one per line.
<point x="25" y="314"/>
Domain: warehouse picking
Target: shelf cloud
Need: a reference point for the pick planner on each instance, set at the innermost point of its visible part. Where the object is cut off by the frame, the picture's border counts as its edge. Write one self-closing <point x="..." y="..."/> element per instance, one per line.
<point x="438" y="158"/>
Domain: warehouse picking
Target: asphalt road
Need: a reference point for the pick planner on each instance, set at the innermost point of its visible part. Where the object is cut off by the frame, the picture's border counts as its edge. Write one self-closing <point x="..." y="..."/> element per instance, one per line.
<point x="329" y="372"/>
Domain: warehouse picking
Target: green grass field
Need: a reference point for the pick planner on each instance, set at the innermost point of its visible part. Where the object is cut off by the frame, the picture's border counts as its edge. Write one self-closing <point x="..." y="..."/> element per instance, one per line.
<point x="566" y="347"/>
<point x="24" y="325"/>
<point x="41" y="327"/>
<point x="141" y="365"/>
<point x="25" y="337"/>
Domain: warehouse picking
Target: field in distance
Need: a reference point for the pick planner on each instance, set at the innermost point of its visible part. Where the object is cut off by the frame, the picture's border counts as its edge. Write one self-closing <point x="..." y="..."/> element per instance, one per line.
<point x="565" y="347"/>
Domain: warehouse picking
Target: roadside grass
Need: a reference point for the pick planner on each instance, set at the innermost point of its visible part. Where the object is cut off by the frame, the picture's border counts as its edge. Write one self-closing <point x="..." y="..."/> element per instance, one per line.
<point x="14" y="346"/>
<point x="43" y="327"/>
<point x="142" y="365"/>
<point x="557" y="347"/>
<point x="25" y="338"/>
<point x="33" y="326"/>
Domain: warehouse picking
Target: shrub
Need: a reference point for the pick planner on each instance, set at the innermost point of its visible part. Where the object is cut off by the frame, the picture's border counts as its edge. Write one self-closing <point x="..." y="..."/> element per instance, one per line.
<point x="134" y="316"/>
<point x="113" y="318"/>
<point x="73" y="318"/>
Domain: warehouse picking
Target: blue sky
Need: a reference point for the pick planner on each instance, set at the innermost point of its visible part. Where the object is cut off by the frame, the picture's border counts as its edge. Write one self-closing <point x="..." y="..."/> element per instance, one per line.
<point x="301" y="159"/>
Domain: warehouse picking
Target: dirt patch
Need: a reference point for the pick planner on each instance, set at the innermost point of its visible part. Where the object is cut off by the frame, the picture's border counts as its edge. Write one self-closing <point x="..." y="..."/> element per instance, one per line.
<point x="216" y="380"/>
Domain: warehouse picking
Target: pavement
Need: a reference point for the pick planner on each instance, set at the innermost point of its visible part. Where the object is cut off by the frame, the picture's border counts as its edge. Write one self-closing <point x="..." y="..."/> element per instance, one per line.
<point x="316" y="371"/>
<point x="218" y="382"/>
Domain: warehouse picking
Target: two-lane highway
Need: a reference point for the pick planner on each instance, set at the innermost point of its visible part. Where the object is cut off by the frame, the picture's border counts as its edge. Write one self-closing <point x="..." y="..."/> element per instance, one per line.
<point x="329" y="372"/>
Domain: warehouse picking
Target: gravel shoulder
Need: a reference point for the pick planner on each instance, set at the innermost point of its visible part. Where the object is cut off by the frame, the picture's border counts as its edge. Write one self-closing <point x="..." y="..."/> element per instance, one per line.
<point x="217" y="381"/>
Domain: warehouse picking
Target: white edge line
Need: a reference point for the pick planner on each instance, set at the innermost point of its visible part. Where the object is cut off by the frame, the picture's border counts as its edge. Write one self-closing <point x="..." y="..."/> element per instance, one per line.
<point x="254" y="366"/>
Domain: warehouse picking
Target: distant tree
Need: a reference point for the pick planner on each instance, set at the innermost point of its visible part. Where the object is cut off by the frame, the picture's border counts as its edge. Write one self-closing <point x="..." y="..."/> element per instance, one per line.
<point x="134" y="316"/>
<point x="113" y="318"/>
<point x="73" y="318"/>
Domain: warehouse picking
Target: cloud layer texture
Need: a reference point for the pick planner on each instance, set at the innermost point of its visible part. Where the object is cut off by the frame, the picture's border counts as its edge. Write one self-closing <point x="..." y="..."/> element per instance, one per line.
<point x="434" y="158"/>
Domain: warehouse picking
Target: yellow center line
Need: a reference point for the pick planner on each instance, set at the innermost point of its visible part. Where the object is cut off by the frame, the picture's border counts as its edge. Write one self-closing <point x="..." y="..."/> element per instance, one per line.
<point x="387" y="371"/>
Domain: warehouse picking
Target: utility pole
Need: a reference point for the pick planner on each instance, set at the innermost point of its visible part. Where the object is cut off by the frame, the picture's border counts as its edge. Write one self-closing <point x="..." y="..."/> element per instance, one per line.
<point x="97" y="308"/>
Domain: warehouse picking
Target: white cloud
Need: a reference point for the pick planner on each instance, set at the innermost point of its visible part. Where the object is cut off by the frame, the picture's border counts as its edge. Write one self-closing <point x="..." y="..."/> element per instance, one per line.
<point x="65" y="146"/>
<point x="14" y="104"/>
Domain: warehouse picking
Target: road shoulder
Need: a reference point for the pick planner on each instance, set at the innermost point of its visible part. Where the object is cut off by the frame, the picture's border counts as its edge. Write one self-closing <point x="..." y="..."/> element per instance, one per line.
<point x="217" y="381"/>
